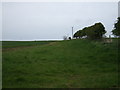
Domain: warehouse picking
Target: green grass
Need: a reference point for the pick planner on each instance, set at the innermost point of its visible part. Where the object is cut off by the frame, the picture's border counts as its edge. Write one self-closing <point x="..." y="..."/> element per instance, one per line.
<point x="13" y="44"/>
<point x="64" y="64"/>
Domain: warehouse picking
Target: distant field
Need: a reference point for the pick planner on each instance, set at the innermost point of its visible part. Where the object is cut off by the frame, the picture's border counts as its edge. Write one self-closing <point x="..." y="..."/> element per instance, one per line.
<point x="62" y="64"/>
<point x="13" y="44"/>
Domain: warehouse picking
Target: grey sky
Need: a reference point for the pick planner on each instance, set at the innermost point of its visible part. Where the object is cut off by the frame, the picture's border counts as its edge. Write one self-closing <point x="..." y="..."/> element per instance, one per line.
<point x="119" y="8"/>
<point x="0" y="21"/>
<point x="37" y="21"/>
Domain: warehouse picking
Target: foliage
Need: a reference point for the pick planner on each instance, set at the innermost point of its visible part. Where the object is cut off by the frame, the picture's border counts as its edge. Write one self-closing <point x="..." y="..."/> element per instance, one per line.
<point x="116" y="30"/>
<point x="80" y="34"/>
<point x="92" y="32"/>
<point x="76" y="35"/>
<point x="96" y="31"/>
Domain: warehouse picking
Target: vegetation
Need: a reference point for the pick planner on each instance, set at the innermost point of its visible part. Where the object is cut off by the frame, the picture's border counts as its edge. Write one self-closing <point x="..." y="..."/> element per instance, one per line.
<point x="93" y="32"/>
<point x="116" y="30"/>
<point x="68" y="64"/>
<point x="15" y="44"/>
<point x="79" y="63"/>
<point x="80" y="33"/>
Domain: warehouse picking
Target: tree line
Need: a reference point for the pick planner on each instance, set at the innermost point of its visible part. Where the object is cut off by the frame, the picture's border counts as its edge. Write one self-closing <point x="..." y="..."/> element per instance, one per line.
<point x="97" y="31"/>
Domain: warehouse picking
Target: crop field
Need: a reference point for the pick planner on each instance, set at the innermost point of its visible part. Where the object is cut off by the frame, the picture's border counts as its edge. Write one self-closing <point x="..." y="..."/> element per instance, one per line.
<point x="59" y="64"/>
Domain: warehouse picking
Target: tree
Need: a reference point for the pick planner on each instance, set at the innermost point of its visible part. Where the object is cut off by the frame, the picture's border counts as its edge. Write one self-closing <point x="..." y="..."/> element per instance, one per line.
<point x="95" y="31"/>
<point x="116" y="30"/>
<point x="76" y="35"/>
<point x="80" y="33"/>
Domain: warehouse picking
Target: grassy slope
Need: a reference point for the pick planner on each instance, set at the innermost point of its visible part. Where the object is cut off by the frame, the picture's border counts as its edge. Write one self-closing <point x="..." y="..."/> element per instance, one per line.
<point x="75" y="63"/>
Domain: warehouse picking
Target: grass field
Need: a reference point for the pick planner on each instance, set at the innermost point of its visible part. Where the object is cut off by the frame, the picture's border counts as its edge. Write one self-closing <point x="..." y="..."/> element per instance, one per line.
<point x="13" y="44"/>
<point x="61" y="64"/>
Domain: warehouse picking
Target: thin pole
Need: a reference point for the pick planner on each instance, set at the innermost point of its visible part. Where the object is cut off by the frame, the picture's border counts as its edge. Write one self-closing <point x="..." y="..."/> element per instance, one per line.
<point x="72" y="32"/>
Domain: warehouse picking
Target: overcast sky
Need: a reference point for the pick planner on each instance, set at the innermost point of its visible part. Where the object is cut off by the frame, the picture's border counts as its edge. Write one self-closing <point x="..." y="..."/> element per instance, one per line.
<point x="46" y="21"/>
